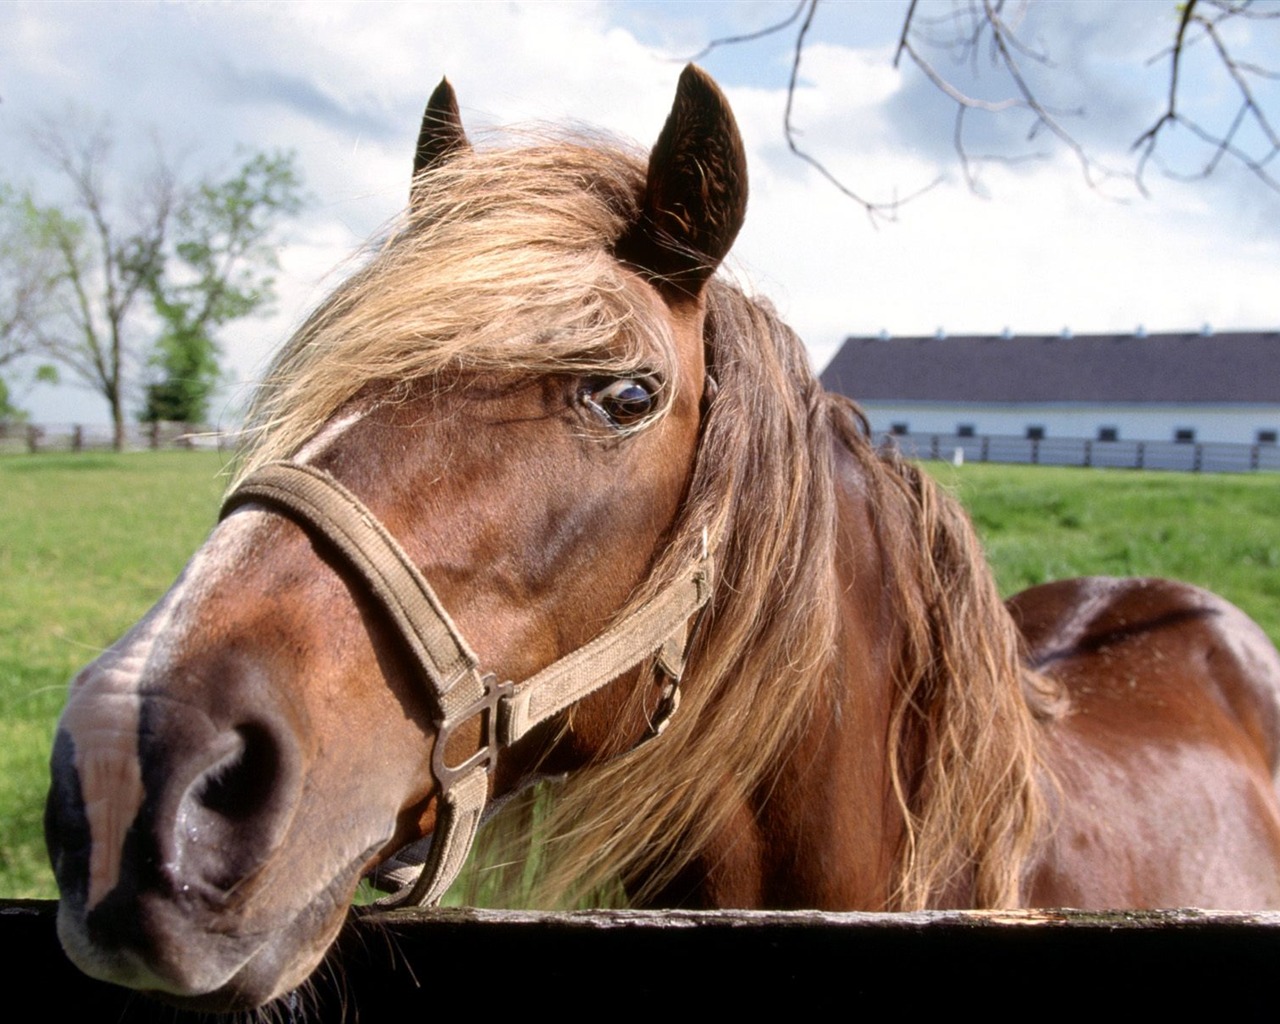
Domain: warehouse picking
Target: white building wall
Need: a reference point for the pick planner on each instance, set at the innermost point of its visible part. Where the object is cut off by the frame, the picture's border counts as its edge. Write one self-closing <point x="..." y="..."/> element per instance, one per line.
<point x="1240" y="424"/>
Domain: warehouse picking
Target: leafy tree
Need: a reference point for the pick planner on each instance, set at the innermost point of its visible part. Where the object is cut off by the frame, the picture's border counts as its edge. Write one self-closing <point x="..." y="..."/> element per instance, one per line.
<point x="188" y="256"/>
<point x="28" y="279"/>
<point x="103" y="257"/>
<point x="187" y="363"/>
<point x="9" y="413"/>
<point x="220" y="271"/>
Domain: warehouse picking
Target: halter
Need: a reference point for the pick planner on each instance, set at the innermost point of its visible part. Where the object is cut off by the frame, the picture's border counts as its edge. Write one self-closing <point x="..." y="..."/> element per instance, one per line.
<point x="458" y="689"/>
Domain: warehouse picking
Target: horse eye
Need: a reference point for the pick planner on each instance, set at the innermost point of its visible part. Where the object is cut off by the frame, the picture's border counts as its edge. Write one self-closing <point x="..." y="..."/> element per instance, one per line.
<point x="622" y="402"/>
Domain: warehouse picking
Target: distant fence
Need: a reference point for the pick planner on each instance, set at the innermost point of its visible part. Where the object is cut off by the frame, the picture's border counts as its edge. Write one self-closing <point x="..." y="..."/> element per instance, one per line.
<point x="1185" y="456"/>
<point x="33" y="437"/>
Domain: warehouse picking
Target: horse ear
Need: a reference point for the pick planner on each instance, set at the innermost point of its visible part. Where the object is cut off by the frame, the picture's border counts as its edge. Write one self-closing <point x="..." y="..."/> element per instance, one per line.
<point x="441" y="135"/>
<point x="695" y="197"/>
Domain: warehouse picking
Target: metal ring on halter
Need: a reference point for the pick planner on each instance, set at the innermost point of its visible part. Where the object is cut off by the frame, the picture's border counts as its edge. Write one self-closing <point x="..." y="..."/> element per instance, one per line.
<point x="455" y="685"/>
<point x="487" y="755"/>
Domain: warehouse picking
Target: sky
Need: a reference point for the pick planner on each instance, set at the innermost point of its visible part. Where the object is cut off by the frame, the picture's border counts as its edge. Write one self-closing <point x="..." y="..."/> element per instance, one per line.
<point x="1034" y="247"/>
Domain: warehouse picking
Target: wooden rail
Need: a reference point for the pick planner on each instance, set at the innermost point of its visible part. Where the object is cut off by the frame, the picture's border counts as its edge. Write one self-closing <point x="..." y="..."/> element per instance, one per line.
<point x="411" y="965"/>
<point x="74" y="437"/>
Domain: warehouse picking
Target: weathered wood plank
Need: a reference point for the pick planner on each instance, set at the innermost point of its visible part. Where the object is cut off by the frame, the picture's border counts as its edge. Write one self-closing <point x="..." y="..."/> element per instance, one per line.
<point x="419" y="963"/>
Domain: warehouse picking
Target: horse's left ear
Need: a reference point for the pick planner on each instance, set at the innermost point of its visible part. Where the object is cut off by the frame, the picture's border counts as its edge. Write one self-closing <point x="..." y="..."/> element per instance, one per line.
<point x="441" y="134"/>
<point x="695" y="197"/>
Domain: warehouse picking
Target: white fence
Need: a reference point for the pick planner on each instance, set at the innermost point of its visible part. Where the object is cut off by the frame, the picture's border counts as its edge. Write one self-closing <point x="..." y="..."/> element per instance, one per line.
<point x="1190" y="456"/>
<point x="73" y="437"/>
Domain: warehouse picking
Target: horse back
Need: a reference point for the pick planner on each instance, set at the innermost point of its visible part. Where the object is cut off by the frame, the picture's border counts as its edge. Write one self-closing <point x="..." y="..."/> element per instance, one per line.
<point x="1165" y="756"/>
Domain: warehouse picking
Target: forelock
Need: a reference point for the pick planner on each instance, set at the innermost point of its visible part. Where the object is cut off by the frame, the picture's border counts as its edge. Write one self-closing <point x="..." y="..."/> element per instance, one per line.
<point x="503" y="264"/>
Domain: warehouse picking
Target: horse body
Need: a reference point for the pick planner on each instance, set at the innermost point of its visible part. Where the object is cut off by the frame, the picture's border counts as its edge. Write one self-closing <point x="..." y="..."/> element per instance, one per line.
<point x="1154" y="714"/>
<point x="540" y="391"/>
<point x="1167" y="759"/>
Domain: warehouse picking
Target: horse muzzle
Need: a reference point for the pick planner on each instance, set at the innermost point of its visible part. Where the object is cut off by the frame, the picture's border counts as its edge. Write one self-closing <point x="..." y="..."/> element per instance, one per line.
<point x="169" y="825"/>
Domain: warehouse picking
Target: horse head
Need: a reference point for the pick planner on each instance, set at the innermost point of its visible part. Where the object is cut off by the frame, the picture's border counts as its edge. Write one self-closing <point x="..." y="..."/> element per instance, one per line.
<point x="514" y="388"/>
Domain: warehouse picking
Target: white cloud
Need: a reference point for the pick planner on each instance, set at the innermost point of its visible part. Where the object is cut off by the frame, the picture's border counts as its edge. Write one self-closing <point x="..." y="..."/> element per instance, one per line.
<point x="344" y="84"/>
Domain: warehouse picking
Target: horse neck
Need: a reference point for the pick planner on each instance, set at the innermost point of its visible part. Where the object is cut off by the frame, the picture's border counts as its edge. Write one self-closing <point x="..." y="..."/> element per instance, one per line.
<point x="963" y="738"/>
<point x="833" y="801"/>
<point x="822" y="828"/>
<point x="914" y="780"/>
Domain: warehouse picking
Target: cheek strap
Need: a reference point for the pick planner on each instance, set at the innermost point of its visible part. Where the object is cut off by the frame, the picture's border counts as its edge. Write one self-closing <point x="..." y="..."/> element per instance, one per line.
<point x="454" y="683"/>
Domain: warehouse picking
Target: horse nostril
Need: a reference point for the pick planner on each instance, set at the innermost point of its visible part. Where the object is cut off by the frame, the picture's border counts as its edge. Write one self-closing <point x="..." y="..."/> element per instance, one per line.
<point x="240" y="786"/>
<point x="233" y="817"/>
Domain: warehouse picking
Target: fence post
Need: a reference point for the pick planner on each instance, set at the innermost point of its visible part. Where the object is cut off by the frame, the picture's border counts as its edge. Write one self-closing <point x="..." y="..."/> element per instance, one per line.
<point x="1199" y="457"/>
<point x="1142" y="453"/>
<point x="986" y="447"/>
<point x="933" y="447"/>
<point x="1255" y="456"/>
<point x="33" y="439"/>
<point x="1088" y="452"/>
<point x="77" y="438"/>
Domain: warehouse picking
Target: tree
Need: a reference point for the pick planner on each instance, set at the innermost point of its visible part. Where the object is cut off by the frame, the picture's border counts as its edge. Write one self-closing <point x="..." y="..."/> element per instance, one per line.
<point x="163" y="257"/>
<point x="28" y="282"/>
<point x="9" y="413"/>
<point x="1221" y="34"/>
<point x="27" y="279"/>
<point x="103" y="256"/>
<point x="220" y="272"/>
<point x="187" y="364"/>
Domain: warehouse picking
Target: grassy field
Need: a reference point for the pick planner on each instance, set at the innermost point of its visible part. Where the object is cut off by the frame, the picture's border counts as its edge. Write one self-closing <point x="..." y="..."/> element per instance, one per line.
<point x="88" y="542"/>
<point x="1041" y="523"/>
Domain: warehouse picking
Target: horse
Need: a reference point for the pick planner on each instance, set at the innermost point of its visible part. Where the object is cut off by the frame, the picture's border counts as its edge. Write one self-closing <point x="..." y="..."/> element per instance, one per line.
<point x="537" y="493"/>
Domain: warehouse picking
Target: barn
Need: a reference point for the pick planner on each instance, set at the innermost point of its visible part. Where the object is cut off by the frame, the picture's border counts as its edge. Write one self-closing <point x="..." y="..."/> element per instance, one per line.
<point x="1125" y="390"/>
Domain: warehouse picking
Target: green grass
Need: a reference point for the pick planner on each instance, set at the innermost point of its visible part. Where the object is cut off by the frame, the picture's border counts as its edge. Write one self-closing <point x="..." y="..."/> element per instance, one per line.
<point x="88" y="542"/>
<point x="1219" y="531"/>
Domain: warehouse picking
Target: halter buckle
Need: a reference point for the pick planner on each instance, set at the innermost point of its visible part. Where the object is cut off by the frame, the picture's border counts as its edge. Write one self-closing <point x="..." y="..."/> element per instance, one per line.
<point x="487" y="756"/>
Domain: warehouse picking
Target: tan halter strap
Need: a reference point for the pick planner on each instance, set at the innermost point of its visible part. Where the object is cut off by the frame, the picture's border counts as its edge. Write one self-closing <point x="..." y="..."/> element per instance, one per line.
<point x="457" y="688"/>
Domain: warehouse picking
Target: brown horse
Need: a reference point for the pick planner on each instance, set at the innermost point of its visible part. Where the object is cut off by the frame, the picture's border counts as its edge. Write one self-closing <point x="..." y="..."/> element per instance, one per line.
<point x="535" y="440"/>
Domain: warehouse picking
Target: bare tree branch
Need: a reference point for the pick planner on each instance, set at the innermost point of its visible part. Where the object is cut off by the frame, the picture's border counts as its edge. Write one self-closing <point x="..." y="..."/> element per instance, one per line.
<point x="1197" y="26"/>
<point x="107" y="259"/>
<point x="875" y="210"/>
<point x="1146" y="143"/>
<point x="750" y="36"/>
<point x="966" y="30"/>
<point x="906" y="33"/>
<point x="986" y="22"/>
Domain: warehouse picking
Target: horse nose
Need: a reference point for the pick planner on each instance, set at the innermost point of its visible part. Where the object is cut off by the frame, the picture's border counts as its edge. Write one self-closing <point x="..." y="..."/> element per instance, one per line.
<point x="66" y="822"/>
<point x="231" y="804"/>
<point x="213" y="798"/>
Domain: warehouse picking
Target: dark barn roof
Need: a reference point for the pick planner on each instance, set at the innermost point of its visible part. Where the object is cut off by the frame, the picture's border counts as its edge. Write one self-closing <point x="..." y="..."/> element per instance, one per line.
<point x="1229" y="368"/>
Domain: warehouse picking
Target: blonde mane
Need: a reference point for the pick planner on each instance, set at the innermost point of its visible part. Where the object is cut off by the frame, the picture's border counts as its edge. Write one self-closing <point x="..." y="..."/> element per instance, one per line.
<point x="505" y="265"/>
<point x="966" y="775"/>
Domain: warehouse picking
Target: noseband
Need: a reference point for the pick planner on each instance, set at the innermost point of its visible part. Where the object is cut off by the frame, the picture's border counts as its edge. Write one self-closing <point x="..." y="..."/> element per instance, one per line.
<point x="459" y="690"/>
